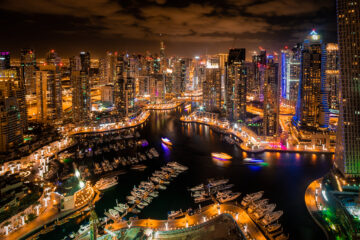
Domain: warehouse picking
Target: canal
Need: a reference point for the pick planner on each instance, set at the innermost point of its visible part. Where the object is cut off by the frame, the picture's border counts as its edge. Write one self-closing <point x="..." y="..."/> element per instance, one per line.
<point x="283" y="178"/>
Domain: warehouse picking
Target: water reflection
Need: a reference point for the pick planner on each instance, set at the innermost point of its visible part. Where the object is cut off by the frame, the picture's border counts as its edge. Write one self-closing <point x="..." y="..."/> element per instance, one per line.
<point x="221" y="162"/>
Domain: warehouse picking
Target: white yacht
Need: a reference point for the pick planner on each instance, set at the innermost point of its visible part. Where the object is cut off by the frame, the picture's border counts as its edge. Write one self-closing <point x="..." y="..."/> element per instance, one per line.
<point x="229" y="197"/>
<point x="251" y="197"/>
<point x="271" y="217"/>
<point x="173" y="214"/>
<point x="197" y="188"/>
<point x="106" y="183"/>
<point x="214" y="183"/>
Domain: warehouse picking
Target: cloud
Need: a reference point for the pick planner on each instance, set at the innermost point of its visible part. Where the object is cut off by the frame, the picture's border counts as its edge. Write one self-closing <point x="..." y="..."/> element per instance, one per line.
<point x="286" y="7"/>
<point x="205" y="21"/>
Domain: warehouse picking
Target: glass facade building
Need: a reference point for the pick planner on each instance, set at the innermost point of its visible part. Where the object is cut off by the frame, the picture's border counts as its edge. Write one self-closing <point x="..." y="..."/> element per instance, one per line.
<point x="347" y="153"/>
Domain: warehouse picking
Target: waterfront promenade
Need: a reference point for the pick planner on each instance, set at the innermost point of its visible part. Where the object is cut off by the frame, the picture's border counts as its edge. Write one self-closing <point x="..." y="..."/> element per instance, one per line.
<point x="164" y="106"/>
<point x="313" y="201"/>
<point x="207" y="213"/>
<point x="251" y="142"/>
<point x="140" y="119"/>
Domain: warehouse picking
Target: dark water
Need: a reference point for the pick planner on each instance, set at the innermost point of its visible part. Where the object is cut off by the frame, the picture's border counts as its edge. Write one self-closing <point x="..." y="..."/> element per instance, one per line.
<point x="284" y="180"/>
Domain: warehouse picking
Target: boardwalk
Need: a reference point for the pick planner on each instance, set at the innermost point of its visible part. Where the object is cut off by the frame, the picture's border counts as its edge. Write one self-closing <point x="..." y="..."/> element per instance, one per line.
<point x="209" y="212"/>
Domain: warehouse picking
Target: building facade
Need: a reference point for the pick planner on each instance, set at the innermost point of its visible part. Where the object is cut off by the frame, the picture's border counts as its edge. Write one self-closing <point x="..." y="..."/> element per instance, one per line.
<point x="347" y="153"/>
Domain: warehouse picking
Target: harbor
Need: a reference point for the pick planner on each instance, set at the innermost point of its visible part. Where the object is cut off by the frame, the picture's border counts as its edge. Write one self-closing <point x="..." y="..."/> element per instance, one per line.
<point x="190" y="147"/>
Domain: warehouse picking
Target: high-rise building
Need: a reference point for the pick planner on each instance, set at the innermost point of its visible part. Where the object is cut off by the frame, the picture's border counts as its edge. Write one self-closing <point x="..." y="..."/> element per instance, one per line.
<point x="271" y="98"/>
<point x="312" y="113"/>
<point x="333" y="76"/>
<point x="27" y="69"/>
<point x="85" y="62"/>
<point x="10" y="80"/>
<point x="290" y="74"/>
<point x="4" y="60"/>
<point x="124" y="88"/>
<point x="236" y="85"/>
<point x="80" y="80"/>
<point x="13" y="114"/>
<point x="347" y="153"/>
<point x="52" y="58"/>
<point x="48" y="94"/>
<point x="212" y="85"/>
<point x="259" y="62"/>
<point x="11" y="132"/>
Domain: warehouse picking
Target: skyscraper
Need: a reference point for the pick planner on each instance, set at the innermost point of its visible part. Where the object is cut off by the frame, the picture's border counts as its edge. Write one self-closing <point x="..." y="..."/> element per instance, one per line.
<point x="52" y="58"/>
<point x="124" y="88"/>
<point x="212" y="85"/>
<point x="347" y="153"/>
<point x="27" y="69"/>
<point x="13" y="115"/>
<point x="4" y="60"/>
<point x="11" y="83"/>
<point x="80" y="80"/>
<point x="48" y="94"/>
<point x="312" y="113"/>
<point x="333" y="76"/>
<point x="236" y="85"/>
<point x="290" y="74"/>
<point x="271" y="98"/>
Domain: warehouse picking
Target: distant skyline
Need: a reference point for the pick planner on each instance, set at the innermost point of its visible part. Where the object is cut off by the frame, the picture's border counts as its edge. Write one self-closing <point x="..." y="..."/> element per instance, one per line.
<point x="187" y="27"/>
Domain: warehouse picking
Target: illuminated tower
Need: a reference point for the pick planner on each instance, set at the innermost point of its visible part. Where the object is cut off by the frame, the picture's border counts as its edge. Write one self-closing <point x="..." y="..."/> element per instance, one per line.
<point x="347" y="153"/>
<point x="13" y="113"/>
<point x="333" y="76"/>
<point x="312" y="113"/>
<point x="80" y="80"/>
<point x="212" y="85"/>
<point x="235" y="84"/>
<point x="290" y="74"/>
<point x="124" y="88"/>
<point x="271" y="98"/>
<point x="27" y="69"/>
<point x="48" y="94"/>
<point x="4" y="60"/>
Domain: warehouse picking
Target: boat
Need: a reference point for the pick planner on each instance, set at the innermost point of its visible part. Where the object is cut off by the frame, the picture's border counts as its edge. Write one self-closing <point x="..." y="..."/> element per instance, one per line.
<point x="220" y="194"/>
<point x="166" y="141"/>
<point x="251" y="197"/>
<point x="273" y="227"/>
<point x="162" y="187"/>
<point x="214" y="183"/>
<point x="154" y="152"/>
<point x="255" y="205"/>
<point x="229" y="197"/>
<point x="72" y="235"/>
<point x="149" y="155"/>
<point x="200" y="199"/>
<point x="282" y="237"/>
<point x="119" y="209"/>
<point x="113" y="213"/>
<point x="253" y="160"/>
<point x="221" y="156"/>
<point x="173" y="214"/>
<point x="197" y="188"/>
<point x="136" y="211"/>
<point x="106" y="183"/>
<point x="131" y="198"/>
<point x="154" y="194"/>
<point x="259" y="213"/>
<point x="155" y="179"/>
<point x="271" y="217"/>
<point x="139" y="167"/>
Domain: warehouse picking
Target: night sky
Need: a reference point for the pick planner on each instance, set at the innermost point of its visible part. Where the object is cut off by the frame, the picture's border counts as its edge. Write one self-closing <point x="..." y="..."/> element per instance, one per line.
<point x="188" y="27"/>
